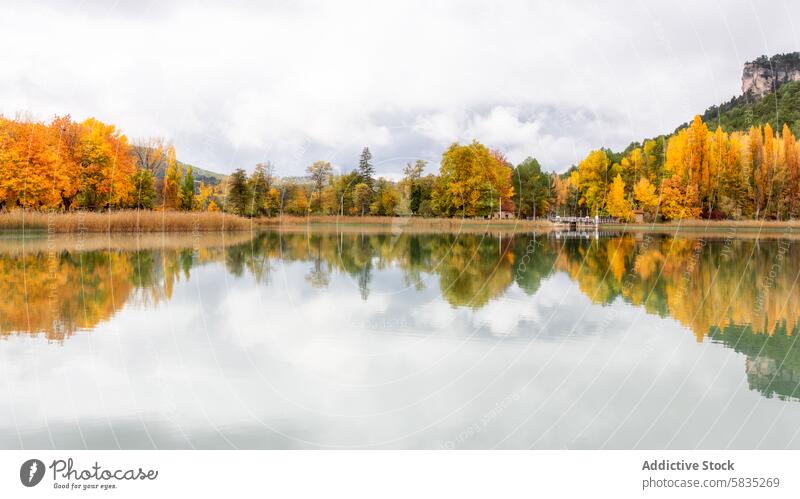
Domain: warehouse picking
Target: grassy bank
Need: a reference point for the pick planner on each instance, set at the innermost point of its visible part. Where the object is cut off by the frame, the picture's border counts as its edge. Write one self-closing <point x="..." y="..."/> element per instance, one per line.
<point x="695" y="225"/>
<point x="132" y="221"/>
<point x="404" y="222"/>
<point x="122" y="221"/>
<point x="13" y="243"/>
<point x="171" y="221"/>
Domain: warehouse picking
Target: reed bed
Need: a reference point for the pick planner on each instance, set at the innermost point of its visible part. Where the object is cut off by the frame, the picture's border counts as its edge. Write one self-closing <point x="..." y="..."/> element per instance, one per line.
<point x="14" y="243"/>
<point x="417" y="222"/>
<point x="122" y="221"/>
<point x="145" y="221"/>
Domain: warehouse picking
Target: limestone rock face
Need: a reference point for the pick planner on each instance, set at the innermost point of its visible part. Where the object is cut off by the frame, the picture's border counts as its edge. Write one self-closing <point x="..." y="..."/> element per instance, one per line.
<point x="767" y="74"/>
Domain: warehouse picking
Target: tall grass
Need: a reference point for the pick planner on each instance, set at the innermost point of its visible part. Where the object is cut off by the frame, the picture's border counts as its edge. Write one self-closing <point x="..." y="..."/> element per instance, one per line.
<point x="122" y="221"/>
<point x="133" y="221"/>
<point x="14" y="243"/>
<point x="420" y="222"/>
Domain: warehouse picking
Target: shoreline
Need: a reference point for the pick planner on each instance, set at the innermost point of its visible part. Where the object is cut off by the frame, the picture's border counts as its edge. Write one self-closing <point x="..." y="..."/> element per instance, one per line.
<point x="142" y="222"/>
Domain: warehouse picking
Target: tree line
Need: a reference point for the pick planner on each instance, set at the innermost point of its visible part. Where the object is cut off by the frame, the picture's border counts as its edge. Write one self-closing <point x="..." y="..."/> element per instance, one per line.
<point x="695" y="172"/>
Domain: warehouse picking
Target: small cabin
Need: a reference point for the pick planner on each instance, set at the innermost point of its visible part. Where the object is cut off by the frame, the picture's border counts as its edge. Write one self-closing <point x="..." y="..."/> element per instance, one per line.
<point x="638" y="216"/>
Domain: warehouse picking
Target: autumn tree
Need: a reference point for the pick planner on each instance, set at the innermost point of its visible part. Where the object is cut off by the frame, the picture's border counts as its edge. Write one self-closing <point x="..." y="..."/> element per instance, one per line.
<point x="387" y="198"/>
<point x="106" y="166"/>
<point x="337" y="196"/>
<point x="791" y="186"/>
<point x="172" y="177"/>
<point x="297" y="202"/>
<point x="561" y="192"/>
<point x="319" y="171"/>
<point x="472" y="182"/>
<point x="678" y="200"/>
<point x="64" y="164"/>
<point x="260" y="183"/>
<point x="28" y="158"/>
<point x="618" y="205"/>
<point x="593" y="181"/>
<point x="144" y="190"/>
<point x="361" y="198"/>
<point x="205" y="196"/>
<point x="645" y="194"/>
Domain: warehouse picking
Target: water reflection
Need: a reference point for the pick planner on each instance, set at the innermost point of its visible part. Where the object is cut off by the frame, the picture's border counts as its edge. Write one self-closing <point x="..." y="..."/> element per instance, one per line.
<point x="738" y="294"/>
<point x="752" y="280"/>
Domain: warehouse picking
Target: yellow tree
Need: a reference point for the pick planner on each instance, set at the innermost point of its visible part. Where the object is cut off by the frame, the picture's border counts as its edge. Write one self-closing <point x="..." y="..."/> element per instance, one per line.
<point x="791" y="190"/>
<point x="632" y="166"/>
<point x="767" y="170"/>
<point x="593" y="174"/>
<point x="698" y="167"/>
<point x="561" y="188"/>
<point x="678" y="200"/>
<point x="472" y="181"/>
<point x="618" y="205"/>
<point x="755" y="165"/>
<point x="645" y="194"/>
<point x="204" y="196"/>
<point x="172" y="177"/>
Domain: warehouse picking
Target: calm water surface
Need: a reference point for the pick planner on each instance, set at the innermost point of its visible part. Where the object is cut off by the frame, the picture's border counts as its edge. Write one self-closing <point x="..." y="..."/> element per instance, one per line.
<point x="398" y="340"/>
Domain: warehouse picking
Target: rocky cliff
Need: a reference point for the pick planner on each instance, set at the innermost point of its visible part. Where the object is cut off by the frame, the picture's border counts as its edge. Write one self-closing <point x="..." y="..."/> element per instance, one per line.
<point x="767" y="74"/>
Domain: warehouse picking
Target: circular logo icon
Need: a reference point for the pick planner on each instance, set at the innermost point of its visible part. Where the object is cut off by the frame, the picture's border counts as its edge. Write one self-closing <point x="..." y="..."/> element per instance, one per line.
<point x="31" y="472"/>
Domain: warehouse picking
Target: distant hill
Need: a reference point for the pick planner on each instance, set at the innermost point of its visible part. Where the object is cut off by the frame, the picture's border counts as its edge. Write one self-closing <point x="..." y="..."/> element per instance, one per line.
<point x="206" y="176"/>
<point x="200" y="174"/>
<point x="302" y="180"/>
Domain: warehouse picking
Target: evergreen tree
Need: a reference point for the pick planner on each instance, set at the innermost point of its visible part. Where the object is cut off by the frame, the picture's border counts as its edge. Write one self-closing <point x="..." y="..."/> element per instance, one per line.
<point x="412" y="175"/>
<point x="238" y="193"/>
<point x="186" y="194"/>
<point x="531" y="188"/>
<point x="365" y="169"/>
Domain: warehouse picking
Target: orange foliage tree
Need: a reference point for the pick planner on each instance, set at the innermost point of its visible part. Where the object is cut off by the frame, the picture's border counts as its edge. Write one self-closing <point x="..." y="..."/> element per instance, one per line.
<point x="64" y="165"/>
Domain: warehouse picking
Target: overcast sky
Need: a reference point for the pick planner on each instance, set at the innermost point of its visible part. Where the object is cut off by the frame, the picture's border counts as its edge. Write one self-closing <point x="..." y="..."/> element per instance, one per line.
<point x="235" y="83"/>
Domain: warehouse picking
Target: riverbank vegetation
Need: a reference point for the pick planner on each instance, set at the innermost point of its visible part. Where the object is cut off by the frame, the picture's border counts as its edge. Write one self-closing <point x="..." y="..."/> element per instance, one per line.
<point x="697" y="172"/>
<point x="121" y="221"/>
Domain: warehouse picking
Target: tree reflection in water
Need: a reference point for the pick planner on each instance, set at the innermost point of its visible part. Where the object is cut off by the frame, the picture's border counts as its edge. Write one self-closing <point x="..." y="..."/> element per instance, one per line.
<point x="736" y="292"/>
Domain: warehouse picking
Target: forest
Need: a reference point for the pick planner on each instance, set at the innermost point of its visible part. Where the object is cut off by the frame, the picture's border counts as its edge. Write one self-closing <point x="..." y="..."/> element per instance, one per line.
<point x="697" y="172"/>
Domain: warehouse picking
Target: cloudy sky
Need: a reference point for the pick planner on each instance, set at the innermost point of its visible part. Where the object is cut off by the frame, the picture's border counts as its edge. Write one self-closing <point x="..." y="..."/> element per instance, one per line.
<point x="235" y="83"/>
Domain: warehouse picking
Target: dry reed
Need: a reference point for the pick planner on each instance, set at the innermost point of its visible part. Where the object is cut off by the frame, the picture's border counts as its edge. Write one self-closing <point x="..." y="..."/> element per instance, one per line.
<point x="122" y="221"/>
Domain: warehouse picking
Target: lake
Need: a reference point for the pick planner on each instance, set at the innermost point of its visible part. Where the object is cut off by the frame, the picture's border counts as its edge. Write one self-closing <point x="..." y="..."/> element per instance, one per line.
<point x="393" y="339"/>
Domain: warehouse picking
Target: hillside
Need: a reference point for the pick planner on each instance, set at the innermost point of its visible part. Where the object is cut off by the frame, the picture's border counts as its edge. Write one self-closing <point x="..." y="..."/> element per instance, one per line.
<point x="200" y="174"/>
<point x="776" y="108"/>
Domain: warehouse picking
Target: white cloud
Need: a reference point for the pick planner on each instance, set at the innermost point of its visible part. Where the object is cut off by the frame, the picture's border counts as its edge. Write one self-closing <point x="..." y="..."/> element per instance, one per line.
<point x="237" y="83"/>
